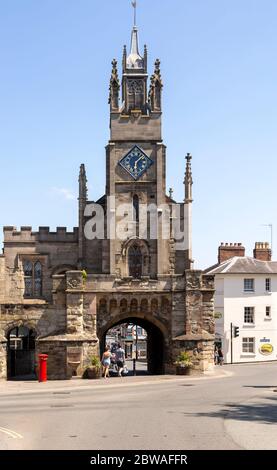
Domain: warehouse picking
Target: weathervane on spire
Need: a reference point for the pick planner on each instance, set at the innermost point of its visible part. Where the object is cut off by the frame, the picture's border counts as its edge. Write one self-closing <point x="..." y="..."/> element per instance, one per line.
<point x="134" y="4"/>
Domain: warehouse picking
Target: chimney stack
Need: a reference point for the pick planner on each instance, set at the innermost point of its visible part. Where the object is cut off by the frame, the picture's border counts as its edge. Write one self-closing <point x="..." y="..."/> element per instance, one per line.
<point x="229" y="250"/>
<point x="262" y="251"/>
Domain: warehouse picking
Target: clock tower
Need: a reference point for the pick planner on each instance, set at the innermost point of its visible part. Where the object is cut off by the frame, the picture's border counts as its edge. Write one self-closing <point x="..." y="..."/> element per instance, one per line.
<point x="128" y="262"/>
<point x="136" y="163"/>
<point x="140" y="268"/>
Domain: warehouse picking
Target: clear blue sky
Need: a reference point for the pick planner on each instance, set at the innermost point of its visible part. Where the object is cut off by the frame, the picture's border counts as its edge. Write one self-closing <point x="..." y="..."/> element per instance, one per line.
<point x="219" y="68"/>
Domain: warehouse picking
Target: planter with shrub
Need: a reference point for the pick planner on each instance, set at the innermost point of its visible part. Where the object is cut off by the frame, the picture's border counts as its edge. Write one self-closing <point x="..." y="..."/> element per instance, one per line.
<point x="183" y="364"/>
<point x="93" y="371"/>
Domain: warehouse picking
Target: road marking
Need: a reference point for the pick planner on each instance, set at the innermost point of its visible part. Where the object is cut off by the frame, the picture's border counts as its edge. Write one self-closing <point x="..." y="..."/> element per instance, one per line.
<point x="11" y="433"/>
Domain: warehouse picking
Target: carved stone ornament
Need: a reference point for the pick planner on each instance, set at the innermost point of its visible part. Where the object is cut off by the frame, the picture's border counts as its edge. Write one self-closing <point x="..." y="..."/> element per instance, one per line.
<point x="193" y="281"/>
<point x="73" y="284"/>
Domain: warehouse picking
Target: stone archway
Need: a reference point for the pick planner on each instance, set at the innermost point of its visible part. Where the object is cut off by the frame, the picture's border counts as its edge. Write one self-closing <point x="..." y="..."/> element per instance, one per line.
<point x="21" y="347"/>
<point x="156" y="335"/>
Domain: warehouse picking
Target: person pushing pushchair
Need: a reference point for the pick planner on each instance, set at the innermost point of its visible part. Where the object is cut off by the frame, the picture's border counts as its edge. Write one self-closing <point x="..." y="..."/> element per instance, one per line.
<point x="120" y="359"/>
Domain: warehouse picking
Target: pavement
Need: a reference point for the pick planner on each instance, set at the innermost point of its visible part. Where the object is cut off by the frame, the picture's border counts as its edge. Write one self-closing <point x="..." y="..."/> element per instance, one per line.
<point x="253" y="423"/>
<point x="232" y="408"/>
<point x="77" y="383"/>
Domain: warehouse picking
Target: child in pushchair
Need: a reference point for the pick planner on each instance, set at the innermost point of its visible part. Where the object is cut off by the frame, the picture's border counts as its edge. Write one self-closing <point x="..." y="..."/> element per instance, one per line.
<point x="113" y="370"/>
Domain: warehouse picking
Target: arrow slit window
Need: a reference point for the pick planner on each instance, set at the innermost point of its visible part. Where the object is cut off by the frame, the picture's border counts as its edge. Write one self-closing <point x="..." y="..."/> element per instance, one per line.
<point x="136" y="208"/>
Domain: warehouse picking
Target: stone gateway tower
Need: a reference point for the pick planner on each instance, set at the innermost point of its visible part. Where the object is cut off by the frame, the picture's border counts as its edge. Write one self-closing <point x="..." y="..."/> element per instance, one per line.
<point x="60" y="292"/>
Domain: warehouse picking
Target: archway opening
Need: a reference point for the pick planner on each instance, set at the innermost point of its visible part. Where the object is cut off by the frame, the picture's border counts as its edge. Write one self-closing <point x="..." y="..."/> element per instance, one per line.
<point x="142" y="341"/>
<point x="21" y="353"/>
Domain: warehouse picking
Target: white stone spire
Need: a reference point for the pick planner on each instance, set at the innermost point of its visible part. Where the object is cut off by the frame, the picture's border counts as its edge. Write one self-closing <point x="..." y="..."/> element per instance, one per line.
<point x="134" y="59"/>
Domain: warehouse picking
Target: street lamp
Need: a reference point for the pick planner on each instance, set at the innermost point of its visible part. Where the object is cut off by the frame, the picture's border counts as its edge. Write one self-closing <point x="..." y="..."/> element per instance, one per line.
<point x="135" y="356"/>
<point x="136" y="342"/>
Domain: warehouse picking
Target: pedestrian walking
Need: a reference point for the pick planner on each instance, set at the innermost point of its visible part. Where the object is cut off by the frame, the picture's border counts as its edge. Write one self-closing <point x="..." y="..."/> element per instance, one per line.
<point x="106" y="361"/>
<point x="220" y="356"/>
<point x="216" y="356"/>
<point x="120" y="359"/>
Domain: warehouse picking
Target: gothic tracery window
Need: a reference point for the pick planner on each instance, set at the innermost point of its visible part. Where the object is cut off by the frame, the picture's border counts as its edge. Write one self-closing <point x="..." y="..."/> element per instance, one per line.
<point x="135" y="261"/>
<point x="135" y="94"/>
<point x="32" y="278"/>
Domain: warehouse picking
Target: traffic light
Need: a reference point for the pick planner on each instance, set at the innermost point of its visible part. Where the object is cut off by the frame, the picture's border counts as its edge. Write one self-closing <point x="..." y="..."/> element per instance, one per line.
<point x="236" y="331"/>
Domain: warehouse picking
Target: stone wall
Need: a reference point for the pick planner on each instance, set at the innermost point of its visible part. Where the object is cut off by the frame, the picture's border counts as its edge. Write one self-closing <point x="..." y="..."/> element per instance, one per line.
<point x="2" y="278"/>
<point x="3" y="357"/>
<point x="199" y="328"/>
<point x="57" y="252"/>
<point x="57" y="358"/>
<point x="44" y="319"/>
<point x="67" y="355"/>
<point x="125" y="127"/>
<point x="81" y="311"/>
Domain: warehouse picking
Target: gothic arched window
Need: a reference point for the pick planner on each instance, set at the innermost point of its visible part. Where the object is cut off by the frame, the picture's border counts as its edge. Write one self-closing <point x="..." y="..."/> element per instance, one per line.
<point x="38" y="279"/>
<point x="28" y="278"/>
<point x="135" y="94"/>
<point x="135" y="261"/>
<point x="32" y="278"/>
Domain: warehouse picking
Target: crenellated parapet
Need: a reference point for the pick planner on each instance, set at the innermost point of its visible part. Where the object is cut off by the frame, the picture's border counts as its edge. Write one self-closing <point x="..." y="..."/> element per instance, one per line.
<point x="27" y="235"/>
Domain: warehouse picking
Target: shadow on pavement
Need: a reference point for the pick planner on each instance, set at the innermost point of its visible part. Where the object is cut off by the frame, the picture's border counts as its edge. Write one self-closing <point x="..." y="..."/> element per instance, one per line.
<point x="265" y="413"/>
<point x="259" y="386"/>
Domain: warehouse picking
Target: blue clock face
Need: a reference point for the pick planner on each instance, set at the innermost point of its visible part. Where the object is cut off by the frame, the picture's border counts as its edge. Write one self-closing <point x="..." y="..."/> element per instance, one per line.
<point x="136" y="162"/>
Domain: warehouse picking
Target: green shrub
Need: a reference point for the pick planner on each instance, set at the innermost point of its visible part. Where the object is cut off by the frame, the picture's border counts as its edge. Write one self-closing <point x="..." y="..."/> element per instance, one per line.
<point x="95" y="362"/>
<point x="183" y="359"/>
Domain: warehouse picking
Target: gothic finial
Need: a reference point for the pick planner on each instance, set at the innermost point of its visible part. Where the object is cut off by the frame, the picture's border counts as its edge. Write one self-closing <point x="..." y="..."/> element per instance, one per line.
<point x="145" y="58"/>
<point x="82" y="182"/>
<point x="156" y="85"/>
<point x="188" y="179"/>
<point x="134" y="4"/>
<point x="157" y="65"/>
<point x="124" y="59"/>
<point x="134" y="59"/>
<point x="114" y="87"/>
<point x="170" y="193"/>
<point x="82" y="171"/>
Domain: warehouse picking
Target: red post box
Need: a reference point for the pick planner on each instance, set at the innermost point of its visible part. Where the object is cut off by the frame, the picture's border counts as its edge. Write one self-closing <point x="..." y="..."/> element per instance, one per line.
<point x="43" y="367"/>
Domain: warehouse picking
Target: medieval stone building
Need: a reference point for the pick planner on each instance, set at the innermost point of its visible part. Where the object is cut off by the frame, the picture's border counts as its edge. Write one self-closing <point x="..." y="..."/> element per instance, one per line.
<point x="60" y="292"/>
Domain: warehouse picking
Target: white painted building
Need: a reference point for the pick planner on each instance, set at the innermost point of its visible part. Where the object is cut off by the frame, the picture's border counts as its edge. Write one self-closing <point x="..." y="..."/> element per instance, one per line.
<point x="246" y="301"/>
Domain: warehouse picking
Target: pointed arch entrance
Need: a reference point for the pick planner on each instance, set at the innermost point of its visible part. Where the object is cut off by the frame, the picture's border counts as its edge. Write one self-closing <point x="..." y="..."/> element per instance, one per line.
<point x="155" y="341"/>
<point x="21" y="352"/>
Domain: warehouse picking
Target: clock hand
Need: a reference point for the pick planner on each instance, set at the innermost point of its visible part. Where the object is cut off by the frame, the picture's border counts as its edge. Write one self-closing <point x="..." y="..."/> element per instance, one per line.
<point x="136" y="163"/>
